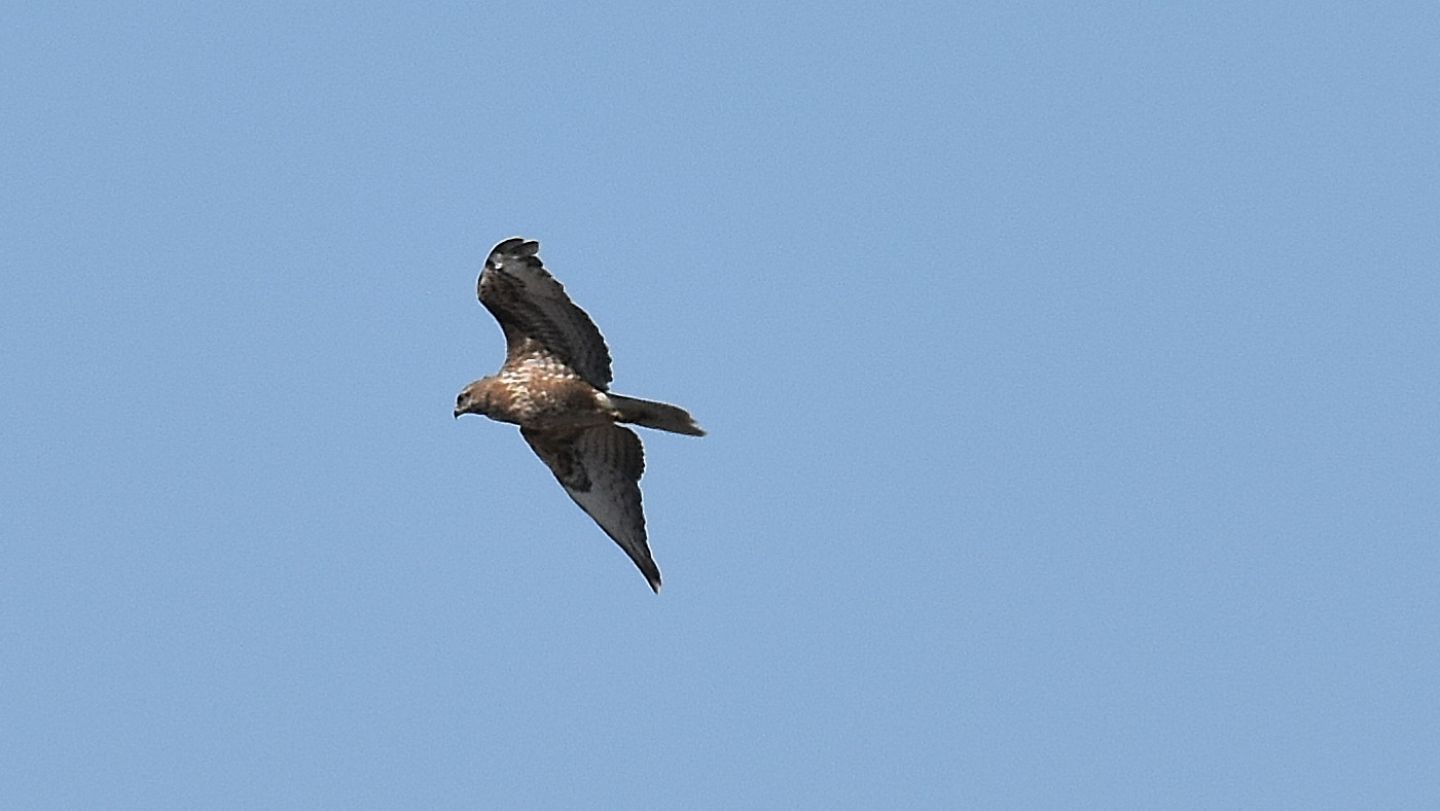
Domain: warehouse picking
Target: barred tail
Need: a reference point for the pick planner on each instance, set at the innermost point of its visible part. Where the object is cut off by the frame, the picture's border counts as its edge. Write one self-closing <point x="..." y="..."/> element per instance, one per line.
<point x="651" y="414"/>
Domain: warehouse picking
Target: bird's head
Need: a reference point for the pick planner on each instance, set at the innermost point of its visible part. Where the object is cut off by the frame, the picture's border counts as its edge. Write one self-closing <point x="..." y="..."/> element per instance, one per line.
<point x="473" y="398"/>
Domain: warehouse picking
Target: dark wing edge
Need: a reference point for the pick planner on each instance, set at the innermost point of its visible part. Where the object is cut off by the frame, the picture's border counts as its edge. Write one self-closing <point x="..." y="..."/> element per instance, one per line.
<point x="600" y="469"/>
<point x="530" y="304"/>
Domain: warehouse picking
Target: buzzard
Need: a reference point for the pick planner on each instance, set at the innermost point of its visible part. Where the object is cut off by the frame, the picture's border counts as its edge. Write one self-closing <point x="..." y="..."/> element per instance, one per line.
<point x="554" y="385"/>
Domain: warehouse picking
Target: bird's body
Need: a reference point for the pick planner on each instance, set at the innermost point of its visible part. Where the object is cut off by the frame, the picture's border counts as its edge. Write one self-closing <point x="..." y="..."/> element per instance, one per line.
<point x="554" y="385"/>
<point x="538" y="399"/>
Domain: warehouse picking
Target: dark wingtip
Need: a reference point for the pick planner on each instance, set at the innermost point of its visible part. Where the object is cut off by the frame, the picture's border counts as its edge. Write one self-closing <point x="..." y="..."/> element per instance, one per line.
<point x="515" y="246"/>
<point x="517" y="251"/>
<point x="652" y="576"/>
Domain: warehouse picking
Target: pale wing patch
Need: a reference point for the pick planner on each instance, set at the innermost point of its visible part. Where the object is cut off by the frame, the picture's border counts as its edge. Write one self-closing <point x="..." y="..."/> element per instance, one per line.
<point x="600" y="468"/>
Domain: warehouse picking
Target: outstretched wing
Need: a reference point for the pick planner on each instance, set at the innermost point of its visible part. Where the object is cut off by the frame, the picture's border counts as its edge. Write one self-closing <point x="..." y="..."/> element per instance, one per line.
<point x="600" y="468"/>
<point x="532" y="309"/>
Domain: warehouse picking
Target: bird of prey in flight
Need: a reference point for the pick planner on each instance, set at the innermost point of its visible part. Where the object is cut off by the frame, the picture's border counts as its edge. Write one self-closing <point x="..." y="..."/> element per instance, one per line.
<point x="555" y="384"/>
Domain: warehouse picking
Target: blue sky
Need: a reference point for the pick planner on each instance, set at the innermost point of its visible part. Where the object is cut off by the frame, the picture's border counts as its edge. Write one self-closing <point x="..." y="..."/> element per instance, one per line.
<point x="1070" y="374"/>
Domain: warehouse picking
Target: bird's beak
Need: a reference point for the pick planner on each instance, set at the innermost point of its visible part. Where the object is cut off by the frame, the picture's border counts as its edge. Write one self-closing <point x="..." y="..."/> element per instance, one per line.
<point x="457" y="413"/>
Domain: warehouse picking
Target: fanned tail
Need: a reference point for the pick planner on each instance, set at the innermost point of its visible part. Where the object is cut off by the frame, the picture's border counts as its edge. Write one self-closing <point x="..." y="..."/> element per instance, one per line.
<point x="660" y="416"/>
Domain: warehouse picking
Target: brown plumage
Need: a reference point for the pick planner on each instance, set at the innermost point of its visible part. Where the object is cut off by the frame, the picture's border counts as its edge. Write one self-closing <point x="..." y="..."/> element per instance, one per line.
<point x="554" y="385"/>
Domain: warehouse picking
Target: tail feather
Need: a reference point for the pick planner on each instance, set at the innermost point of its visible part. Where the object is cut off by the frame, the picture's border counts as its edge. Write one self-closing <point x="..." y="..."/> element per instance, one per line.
<point x="660" y="416"/>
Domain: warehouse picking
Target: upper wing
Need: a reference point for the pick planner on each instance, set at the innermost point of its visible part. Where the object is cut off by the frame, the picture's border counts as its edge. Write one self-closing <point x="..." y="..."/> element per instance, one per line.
<point x="600" y="468"/>
<point x="532" y="308"/>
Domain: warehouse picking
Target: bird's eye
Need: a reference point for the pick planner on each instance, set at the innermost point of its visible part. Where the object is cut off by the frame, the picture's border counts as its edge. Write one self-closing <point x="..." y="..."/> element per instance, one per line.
<point x="460" y="399"/>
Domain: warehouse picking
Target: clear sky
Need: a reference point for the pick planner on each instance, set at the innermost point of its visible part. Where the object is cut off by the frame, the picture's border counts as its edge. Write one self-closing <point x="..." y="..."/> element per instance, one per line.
<point x="1070" y="372"/>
